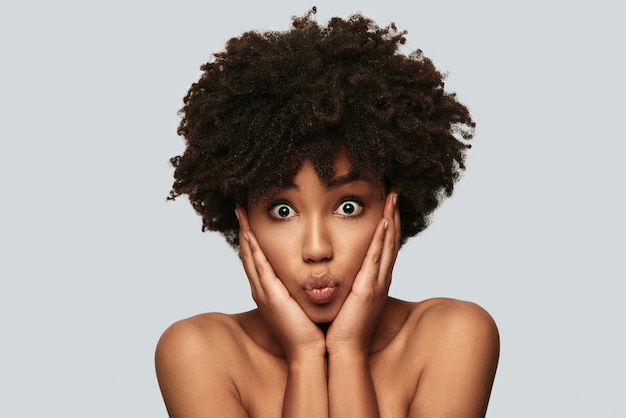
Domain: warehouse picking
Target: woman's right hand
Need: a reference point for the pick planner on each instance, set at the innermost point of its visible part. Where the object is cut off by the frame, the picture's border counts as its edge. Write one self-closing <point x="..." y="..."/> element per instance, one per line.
<point x="296" y="333"/>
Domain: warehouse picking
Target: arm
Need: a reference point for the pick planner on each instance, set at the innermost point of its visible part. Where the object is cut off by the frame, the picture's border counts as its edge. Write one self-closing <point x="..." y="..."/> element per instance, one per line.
<point x="463" y="346"/>
<point x="302" y="341"/>
<point x="350" y="386"/>
<point x="348" y="390"/>
<point x="306" y="393"/>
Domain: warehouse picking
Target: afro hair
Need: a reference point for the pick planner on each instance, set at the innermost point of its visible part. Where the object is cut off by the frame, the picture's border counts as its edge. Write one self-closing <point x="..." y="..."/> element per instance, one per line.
<point x="272" y="100"/>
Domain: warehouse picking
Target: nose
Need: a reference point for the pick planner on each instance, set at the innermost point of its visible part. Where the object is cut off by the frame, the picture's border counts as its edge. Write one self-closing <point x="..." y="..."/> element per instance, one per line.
<point x="316" y="246"/>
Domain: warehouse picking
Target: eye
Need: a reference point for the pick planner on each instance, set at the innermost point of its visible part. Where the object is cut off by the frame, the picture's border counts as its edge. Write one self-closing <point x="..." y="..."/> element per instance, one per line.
<point x="282" y="211"/>
<point x="350" y="207"/>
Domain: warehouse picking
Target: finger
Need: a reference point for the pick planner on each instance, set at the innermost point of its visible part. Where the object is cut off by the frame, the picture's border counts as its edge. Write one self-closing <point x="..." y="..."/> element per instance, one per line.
<point x="245" y="253"/>
<point x="392" y="240"/>
<point x="242" y="217"/>
<point x="264" y="274"/>
<point x="375" y="251"/>
<point x="244" y="240"/>
<point x="269" y="282"/>
<point x="397" y="225"/>
<point x="397" y="219"/>
<point x="368" y="274"/>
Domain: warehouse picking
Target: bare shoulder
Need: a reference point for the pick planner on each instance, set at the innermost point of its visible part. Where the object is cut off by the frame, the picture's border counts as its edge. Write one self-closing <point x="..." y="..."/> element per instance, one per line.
<point x="202" y="339"/>
<point x="459" y="344"/>
<point x="191" y="362"/>
<point x="200" y="333"/>
<point x="441" y="319"/>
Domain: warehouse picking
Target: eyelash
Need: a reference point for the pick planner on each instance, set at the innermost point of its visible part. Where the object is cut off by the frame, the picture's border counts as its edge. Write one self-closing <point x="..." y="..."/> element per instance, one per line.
<point x="352" y="199"/>
<point x="273" y="208"/>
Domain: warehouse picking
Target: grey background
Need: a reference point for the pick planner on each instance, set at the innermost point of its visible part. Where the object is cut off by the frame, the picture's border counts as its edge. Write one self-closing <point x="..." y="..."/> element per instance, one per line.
<point x="95" y="264"/>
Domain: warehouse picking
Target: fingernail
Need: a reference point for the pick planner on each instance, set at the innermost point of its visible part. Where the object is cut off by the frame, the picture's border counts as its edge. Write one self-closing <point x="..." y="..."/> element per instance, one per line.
<point x="246" y="237"/>
<point x="386" y="223"/>
<point x="395" y="199"/>
<point x="237" y="214"/>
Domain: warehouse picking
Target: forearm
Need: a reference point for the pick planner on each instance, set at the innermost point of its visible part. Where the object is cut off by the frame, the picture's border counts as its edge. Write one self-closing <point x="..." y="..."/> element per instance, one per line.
<point x="306" y="393"/>
<point x="350" y="387"/>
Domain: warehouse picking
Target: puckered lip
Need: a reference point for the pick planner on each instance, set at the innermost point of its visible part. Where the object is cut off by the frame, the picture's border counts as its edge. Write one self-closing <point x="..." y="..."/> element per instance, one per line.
<point x="319" y="281"/>
<point x="320" y="288"/>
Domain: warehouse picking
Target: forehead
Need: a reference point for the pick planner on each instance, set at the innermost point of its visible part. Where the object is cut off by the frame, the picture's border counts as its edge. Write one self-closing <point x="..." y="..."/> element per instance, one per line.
<point x="331" y="175"/>
<point x="343" y="173"/>
<point x="343" y="165"/>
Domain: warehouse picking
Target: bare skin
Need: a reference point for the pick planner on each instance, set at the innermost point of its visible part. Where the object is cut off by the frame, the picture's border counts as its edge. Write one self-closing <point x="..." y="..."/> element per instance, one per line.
<point x="326" y="339"/>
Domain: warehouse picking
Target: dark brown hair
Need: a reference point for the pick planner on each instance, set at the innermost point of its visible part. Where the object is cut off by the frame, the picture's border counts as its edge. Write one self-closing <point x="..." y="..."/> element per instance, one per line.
<point x="271" y="100"/>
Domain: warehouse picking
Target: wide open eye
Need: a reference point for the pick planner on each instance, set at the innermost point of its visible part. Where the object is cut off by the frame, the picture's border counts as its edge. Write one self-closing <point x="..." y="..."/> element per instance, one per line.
<point x="350" y="207"/>
<point x="282" y="211"/>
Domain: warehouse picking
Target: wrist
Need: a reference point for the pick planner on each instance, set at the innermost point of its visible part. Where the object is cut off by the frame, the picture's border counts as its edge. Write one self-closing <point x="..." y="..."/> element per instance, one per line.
<point x="350" y="353"/>
<point x="306" y="365"/>
<point x="347" y="348"/>
<point x="306" y="354"/>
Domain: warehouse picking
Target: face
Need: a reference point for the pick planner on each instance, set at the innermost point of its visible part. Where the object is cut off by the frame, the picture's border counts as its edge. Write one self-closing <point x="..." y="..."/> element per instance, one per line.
<point x="315" y="237"/>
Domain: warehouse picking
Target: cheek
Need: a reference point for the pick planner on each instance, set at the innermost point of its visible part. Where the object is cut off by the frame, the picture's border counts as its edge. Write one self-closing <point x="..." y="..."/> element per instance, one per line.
<point x="278" y="249"/>
<point x="354" y="245"/>
<point x="269" y="238"/>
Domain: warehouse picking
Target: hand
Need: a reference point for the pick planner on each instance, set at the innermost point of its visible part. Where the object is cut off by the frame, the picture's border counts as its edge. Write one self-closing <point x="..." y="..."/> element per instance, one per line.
<point x="355" y="322"/>
<point x="293" y="329"/>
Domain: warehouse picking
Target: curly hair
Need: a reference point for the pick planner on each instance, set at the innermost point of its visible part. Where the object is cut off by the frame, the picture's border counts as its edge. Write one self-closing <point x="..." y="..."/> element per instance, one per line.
<point x="272" y="100"/>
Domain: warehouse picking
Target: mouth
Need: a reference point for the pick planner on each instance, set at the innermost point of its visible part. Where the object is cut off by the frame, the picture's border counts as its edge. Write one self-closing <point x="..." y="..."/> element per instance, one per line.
<point x="320" y="289"/>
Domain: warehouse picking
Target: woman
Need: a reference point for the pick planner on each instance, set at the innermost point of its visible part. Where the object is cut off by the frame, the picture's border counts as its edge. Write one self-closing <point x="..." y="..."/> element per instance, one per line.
<point x="317" y="152"/>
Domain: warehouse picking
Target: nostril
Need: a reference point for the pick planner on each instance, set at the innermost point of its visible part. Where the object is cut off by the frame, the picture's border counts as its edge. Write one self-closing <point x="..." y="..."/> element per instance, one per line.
<point x="317" y="259"/>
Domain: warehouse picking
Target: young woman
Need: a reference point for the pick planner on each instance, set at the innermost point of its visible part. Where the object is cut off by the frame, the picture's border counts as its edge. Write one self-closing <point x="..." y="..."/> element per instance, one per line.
<point x="317" y="152"/>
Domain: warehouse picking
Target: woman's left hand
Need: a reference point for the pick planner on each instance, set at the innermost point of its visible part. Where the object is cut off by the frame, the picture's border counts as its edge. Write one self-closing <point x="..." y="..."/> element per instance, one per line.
<point x="352" y="328"/>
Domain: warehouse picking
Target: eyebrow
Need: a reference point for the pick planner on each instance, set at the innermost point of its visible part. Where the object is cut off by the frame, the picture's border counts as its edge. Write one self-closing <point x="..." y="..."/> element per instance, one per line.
<point x="348" y="178"/>
<point x="334" y="182"/>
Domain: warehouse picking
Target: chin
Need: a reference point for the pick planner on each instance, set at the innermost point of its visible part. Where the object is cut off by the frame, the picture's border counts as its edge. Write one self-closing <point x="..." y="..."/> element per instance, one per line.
<point x="323" y="314"/>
